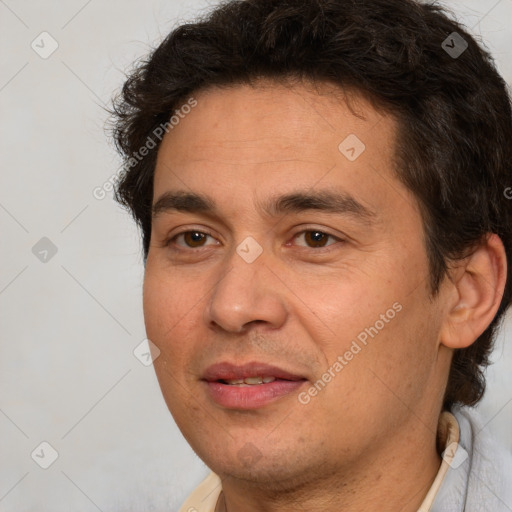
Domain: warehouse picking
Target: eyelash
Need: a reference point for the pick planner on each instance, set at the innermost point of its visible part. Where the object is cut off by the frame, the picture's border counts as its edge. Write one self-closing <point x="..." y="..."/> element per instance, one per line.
<point x="172" y="239"/>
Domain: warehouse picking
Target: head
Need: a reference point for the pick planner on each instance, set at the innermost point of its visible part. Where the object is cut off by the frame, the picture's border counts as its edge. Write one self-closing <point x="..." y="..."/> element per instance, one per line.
<point x="277" y="100"/>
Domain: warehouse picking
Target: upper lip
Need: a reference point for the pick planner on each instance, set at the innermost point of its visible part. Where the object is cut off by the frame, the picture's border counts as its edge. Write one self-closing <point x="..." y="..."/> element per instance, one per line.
<point x="229" y="371"/>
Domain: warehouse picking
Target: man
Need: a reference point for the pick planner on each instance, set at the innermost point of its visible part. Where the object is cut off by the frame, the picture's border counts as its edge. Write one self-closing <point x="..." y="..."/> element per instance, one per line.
<point x="320" y="187"/>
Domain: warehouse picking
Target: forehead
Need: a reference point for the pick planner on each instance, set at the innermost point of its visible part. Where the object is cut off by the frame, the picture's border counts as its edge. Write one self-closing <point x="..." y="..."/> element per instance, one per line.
<point x="252" y="142"/>
<point x="269" y="119"/>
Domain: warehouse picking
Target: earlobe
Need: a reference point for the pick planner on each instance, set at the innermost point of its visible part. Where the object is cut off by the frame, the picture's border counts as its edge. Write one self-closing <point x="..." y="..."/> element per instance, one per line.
<point x="477" y="285"/>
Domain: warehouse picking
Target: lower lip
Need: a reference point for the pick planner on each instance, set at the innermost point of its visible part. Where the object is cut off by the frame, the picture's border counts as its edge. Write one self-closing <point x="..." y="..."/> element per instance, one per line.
<point x="251" y="397"/>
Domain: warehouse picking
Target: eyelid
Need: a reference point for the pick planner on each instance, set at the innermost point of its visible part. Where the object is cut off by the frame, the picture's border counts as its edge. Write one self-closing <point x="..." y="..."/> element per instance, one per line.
<point x="325" y="231"/>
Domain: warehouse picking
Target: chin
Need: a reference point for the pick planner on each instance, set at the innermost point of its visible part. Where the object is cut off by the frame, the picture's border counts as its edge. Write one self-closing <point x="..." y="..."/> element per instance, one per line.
<point x="273" y="469"/>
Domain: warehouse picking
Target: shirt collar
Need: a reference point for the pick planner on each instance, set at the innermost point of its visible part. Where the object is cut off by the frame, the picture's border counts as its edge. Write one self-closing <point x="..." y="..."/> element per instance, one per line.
<point x="448" y="435"/>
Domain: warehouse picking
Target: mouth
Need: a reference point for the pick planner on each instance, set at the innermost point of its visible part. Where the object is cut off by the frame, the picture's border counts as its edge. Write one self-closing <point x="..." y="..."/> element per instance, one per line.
<point x="249" y="386"/>
<point x="248" y="381"/>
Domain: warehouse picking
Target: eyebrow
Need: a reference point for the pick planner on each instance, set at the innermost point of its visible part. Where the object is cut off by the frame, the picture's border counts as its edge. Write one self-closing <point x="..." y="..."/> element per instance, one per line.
<point x="294" y="202"/>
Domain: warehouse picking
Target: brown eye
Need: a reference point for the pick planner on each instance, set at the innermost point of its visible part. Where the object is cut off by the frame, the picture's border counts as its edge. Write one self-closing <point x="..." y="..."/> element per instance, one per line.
<point x="314" y="238"/>
<point x="192" y="239"/>
<point x="317" y="238"/>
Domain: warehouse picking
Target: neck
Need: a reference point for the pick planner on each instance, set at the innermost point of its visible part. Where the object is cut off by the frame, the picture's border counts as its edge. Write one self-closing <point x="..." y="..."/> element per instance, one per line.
<point x="396" y="477"/>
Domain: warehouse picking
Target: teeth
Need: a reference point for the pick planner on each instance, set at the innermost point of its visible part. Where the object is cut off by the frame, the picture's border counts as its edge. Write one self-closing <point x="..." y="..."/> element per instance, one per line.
<point x="253" y="380"/>
<point x="250" y="381"/>
<point x="235" y="381"/>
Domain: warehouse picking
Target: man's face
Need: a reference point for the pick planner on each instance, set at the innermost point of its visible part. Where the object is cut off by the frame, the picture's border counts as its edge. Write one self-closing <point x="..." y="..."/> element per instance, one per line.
<point x="240" y="291"/>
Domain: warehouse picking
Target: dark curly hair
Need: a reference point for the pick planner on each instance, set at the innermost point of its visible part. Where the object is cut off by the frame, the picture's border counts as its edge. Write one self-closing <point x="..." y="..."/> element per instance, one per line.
<point x="454" y="144"/>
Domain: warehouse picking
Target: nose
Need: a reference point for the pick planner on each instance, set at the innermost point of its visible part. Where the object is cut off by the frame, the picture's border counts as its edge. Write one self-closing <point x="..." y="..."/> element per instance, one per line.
<point x="246" y="293"/>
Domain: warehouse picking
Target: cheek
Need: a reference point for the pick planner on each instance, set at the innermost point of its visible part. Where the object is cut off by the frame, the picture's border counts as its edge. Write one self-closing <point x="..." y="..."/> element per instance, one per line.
<point x="168" y="312"/>
<point x="402" y="356"/>
<point x="343" y="308"/>
<point x="170" y="316"/>
<point x="386" y="337"/>
<point x="167" y="298"/>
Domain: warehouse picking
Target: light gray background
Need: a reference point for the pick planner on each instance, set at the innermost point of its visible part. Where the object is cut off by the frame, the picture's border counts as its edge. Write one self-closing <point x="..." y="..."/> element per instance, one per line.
<point x="68" y="375"/>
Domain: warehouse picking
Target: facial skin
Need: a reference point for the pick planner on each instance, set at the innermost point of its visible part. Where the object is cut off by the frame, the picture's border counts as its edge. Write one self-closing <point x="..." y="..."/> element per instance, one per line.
<point x="370" y="432"/>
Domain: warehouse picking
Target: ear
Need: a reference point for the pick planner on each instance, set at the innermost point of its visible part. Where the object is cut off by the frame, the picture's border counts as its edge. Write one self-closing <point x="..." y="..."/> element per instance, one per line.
<point x="477" y="287"/>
